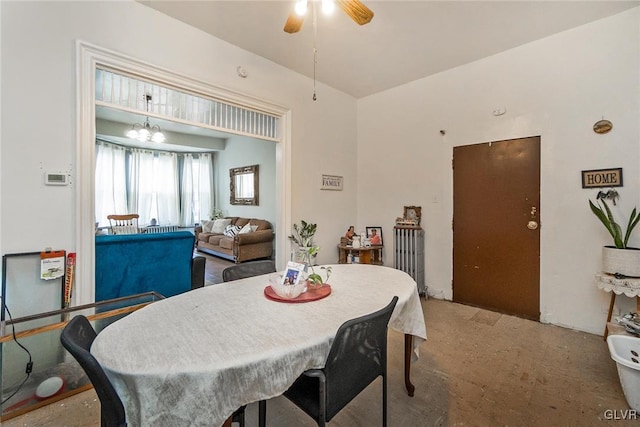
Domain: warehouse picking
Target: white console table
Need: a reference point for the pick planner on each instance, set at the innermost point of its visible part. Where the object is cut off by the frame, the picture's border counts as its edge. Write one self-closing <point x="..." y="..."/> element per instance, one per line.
<point x="628" y="286"/>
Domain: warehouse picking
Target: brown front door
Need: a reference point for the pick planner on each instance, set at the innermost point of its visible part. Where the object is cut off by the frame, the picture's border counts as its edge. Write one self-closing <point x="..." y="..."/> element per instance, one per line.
<point x="496" y="206"/>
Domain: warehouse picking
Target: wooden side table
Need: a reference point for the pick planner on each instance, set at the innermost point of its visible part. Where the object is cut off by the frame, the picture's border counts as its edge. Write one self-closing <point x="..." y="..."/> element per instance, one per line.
<point x="628" y="286"/>
<point x="366" y="255"/>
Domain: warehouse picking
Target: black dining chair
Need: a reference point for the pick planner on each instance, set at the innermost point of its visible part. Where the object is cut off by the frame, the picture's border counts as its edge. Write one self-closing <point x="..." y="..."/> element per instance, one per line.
<point x="357" y="357"/>
<point x="248" y="269"/>
<point x="243" y="271"/>
<point x="77" y="338"/>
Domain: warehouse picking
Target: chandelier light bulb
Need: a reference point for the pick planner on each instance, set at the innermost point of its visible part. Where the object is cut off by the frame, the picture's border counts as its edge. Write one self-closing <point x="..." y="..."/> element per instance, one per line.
<point x="146" y="132"/>
<point x="301" y="7"/>
<point x="328" y="6"/>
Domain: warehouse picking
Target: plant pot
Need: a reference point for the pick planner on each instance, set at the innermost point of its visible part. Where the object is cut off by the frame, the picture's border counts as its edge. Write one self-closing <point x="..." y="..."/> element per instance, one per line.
<point x="625" y="262"/>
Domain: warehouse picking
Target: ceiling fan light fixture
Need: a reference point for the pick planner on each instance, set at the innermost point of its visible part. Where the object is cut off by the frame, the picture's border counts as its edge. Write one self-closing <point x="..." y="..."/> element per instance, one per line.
<point x="301" y="7"/>
<point x="328" y="6"/>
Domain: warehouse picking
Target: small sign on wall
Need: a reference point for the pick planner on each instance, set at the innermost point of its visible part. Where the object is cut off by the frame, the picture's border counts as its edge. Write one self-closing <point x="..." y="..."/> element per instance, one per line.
<point x="598" y="178"/>
<point x="331" y="182"/>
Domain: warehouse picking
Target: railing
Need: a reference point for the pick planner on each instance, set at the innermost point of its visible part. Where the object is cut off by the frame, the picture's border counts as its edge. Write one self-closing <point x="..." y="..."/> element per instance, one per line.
<point x="129" y="94"/>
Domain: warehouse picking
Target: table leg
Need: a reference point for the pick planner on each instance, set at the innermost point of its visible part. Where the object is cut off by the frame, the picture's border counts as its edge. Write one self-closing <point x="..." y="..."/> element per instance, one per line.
<point x="606" y="326"/>
<point x="408" y="351"/>
<point x="262" y="413"/>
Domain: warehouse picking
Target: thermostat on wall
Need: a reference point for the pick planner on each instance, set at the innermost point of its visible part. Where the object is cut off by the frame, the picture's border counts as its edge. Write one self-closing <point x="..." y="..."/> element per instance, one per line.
<point x="56" y="178"/>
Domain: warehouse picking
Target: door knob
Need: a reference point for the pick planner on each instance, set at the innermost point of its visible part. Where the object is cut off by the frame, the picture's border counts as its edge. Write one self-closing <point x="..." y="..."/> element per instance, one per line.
<point x="532" y="225"/>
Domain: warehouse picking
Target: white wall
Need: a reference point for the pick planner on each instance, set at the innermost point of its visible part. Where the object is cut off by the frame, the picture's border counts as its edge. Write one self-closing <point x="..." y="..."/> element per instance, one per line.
<point x="39" y="86"/>
<point x="242" y="151"/>
<point x="558" y="88"/>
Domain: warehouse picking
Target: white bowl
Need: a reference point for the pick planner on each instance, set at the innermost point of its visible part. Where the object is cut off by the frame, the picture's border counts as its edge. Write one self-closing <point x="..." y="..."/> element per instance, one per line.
<point x="287" y="291"/>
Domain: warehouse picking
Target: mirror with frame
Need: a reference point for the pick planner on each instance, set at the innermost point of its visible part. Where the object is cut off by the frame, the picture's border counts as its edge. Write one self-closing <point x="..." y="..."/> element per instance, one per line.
<point x="244" y="185"/>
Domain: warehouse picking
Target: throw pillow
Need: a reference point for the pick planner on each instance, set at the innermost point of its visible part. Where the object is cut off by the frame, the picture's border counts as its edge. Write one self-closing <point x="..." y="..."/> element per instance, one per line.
<point x="219" y="225"/>
<point x="254" y="227"/>
<point x="231" y="230"/>
<point x="246" y="229"/>
<point x="206" y="226"/>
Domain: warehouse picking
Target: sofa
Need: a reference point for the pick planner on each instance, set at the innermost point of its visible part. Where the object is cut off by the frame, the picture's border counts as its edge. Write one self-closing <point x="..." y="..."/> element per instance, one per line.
<point x="235" y="238"/>
<point x="128" y="264"/>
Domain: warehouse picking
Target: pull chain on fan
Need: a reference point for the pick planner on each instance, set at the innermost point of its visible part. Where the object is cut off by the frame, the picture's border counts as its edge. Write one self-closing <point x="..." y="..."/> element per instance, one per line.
<point x="315" y="49"/>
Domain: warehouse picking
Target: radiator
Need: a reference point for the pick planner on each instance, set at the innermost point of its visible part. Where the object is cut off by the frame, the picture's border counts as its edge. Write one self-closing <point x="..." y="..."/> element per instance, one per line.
<point x="409" y="254"/>
<point x="162" y="228"/>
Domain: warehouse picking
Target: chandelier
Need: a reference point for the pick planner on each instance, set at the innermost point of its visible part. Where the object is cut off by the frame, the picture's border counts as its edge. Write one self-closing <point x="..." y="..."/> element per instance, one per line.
<point x="145" y="132"/>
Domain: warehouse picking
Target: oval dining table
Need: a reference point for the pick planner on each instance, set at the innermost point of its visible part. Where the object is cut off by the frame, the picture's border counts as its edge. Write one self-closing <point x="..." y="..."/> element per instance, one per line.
<point x="194" y="358"/>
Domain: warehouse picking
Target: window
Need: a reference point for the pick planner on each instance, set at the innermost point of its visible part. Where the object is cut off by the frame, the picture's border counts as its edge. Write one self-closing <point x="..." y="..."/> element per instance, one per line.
<point x="173" y="189"/>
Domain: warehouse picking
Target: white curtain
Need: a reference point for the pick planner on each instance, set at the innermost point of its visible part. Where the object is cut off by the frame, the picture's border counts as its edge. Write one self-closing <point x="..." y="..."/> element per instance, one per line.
<point x="197" y="188"/>
<point x="130" y="180"/>
<point x="111" y="185"/>
<point x="154" y="186"/>
<point x="166" y="189"/>
<point x="141" y="184"/>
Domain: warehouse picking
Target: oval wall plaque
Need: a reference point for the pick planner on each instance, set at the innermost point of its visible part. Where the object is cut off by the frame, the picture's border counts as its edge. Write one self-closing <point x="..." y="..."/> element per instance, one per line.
<point x="602" y="126"/>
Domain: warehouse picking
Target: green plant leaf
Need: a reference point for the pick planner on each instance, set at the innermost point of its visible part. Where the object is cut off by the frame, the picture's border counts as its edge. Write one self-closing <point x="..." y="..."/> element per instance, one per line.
<point x="633" y="221"/>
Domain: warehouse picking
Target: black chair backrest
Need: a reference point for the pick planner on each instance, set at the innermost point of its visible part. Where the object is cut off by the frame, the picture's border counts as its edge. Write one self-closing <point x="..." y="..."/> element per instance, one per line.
<point x="248" y="269"/>
<point x="77" y="338"/>
<point x="358" y="356"/>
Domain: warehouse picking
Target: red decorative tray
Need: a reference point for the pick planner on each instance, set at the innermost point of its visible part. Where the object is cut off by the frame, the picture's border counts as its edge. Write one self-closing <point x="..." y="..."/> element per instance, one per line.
<point x="313" y="294"/>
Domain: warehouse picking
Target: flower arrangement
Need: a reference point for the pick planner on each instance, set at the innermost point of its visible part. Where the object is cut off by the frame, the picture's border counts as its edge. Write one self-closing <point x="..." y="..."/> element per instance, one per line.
<point x="217" y="214"/>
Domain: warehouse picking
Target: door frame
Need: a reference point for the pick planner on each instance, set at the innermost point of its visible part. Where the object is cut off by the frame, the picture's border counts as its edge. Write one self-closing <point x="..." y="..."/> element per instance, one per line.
<point x="88" y="58"/>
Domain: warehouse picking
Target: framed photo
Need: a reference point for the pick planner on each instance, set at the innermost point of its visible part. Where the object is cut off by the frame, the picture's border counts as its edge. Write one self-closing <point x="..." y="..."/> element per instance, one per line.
<point x="374" y="234"/>
<point x="292" y="274"/>
<point x="413" y="214"/>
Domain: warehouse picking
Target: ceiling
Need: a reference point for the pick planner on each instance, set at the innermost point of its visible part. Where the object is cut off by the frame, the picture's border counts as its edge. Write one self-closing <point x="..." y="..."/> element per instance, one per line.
<point x="405" y="41"/>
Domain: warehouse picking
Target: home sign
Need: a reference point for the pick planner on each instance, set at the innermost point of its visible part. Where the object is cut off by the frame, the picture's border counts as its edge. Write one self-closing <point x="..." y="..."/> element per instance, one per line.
<point x="602" y="178"/>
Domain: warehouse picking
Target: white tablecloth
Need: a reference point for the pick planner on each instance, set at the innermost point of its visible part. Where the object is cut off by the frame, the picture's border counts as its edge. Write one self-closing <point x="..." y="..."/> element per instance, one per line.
<point x="194" y="358"/>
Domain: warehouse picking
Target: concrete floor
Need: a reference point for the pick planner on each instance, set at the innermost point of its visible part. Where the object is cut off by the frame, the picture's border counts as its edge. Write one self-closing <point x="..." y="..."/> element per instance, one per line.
<point x="478" y="368"/>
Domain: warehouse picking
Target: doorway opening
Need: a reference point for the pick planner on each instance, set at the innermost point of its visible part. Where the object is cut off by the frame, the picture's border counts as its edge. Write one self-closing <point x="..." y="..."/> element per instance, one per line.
<point x="90" y="58"/>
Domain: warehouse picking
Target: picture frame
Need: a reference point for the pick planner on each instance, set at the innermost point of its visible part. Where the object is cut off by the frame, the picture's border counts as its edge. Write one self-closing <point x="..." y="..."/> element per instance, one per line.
<point x="291" y="276"/>
<point x="413" y="213"/>
<point x="331" y="182"/>
<point x="378" y="232"/>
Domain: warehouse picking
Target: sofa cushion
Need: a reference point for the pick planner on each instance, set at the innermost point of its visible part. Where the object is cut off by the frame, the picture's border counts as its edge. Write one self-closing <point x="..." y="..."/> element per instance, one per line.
<point x="248" y="228"/>
<point x="242" y="222"/>
<point x="226" y="242"/>
<point x="261" y="223"/>
<point x="231" y="230"/>
<point x="214" y="239"/>
<point x="204" y="237"/>
<point x="219" y="225"/>
<point x="206" y="225"/>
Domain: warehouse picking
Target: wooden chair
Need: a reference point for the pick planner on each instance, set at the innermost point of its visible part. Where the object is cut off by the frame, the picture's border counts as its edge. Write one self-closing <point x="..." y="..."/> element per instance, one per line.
<point x="124" y="224"/>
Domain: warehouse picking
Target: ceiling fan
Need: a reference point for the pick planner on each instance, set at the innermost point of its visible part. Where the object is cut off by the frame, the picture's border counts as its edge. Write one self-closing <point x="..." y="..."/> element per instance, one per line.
<point x="357" y="11"/>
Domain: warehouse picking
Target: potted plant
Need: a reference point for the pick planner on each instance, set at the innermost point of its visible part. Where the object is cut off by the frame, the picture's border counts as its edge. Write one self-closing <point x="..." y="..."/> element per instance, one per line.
<point x="303" y="236"/>
<point x="618" y="259"/>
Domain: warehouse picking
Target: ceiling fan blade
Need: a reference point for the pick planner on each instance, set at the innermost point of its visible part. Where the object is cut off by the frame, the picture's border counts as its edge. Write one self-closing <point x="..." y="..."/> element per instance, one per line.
<point x="294" y="23"/>
<point x="357" y="11"/>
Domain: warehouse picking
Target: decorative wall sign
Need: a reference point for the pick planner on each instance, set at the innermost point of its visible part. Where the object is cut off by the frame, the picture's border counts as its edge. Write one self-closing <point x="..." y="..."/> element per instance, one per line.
<point x="602" y="126"/>
<point x="331" y="182"/>
<point x="598" y="178"/>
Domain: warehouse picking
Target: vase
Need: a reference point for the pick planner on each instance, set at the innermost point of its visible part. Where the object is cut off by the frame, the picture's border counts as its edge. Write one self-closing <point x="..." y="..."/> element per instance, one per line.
<point x="625" y="262"/>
